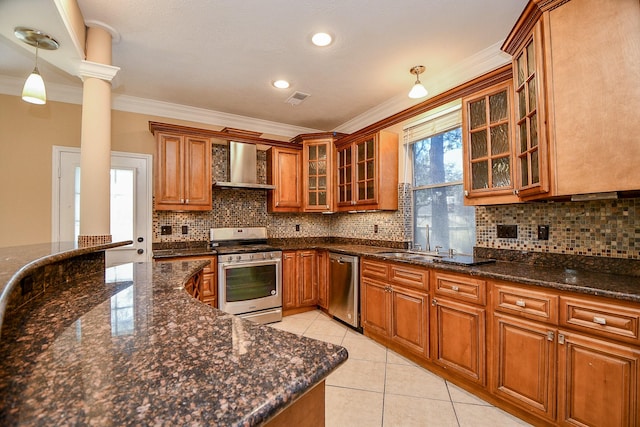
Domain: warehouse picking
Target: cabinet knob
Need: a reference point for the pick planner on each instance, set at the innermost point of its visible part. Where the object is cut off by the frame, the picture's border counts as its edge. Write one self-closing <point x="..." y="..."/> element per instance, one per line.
<point x="560" y="338"/>
<point x="455" y="288"/>
<point x="521" y="303"/>
<point x="550" y="335"/>
<point x="434" y="302"/>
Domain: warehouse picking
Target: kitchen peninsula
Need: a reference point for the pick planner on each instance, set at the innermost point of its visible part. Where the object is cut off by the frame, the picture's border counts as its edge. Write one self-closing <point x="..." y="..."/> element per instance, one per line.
<point x="129" y="346"/>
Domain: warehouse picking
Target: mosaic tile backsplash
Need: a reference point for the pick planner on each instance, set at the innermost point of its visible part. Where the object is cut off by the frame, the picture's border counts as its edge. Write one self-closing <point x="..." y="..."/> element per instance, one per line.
<point x="607" y="228"/>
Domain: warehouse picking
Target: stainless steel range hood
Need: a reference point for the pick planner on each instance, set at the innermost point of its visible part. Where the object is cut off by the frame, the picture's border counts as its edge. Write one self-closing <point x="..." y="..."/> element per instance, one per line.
<point x="242" y="168"/>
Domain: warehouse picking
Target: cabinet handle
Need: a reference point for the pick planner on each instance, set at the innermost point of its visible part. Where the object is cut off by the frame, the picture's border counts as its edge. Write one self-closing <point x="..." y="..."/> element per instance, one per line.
<point x="550" y="335"/>
<point x="454" y="288"/>
<point x="187" y="201"/>
<point x="434" y="302"/>
<point x="560" y="338"/>
<point x="599" y="320"/>
<point x="521" y="303"/>
<point x="181" y="200"/>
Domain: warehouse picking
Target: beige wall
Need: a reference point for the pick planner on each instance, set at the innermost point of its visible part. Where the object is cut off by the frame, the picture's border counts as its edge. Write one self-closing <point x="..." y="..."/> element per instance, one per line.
<point x="27" y="135"/>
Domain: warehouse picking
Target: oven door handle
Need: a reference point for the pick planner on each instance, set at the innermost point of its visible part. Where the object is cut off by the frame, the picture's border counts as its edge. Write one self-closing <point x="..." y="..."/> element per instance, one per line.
<point x="251" y="263"/>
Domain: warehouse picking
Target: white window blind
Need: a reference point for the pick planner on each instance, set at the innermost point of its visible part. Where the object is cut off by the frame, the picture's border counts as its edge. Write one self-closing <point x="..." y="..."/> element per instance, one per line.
<point x="434" y="124"/>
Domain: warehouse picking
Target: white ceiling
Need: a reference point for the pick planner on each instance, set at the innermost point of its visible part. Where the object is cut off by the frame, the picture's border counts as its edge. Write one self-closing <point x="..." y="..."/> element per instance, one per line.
<point x="222" y="55"/>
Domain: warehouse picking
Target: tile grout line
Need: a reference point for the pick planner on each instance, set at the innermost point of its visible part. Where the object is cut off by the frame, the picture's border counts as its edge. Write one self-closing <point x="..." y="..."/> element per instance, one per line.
<point x="455" y="413"/>
<point x="384" y="386"/>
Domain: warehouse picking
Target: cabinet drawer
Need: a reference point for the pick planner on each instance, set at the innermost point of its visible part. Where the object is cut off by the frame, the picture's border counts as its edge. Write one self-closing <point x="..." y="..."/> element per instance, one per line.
<point x="525" y="303"/>
<point x="459" y="287"/>
<point x="409" y="276"/>
<point x="374" y="270"/>
<point x="609" y="319"/>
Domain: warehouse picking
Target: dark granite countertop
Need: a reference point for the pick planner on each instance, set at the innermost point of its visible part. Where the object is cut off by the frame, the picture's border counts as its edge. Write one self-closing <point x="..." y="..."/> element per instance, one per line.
<point x="131" y="347"/>
<point x="16" y="262"/>
<point x="618" y="286"/>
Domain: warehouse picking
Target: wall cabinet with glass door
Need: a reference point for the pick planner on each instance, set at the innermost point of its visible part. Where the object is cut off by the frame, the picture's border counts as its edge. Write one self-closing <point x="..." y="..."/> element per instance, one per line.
<point x="488" y="146"/>
<point x="367" y="170"/>
<point x="318" y="176"/>
<point x="575" y="136"/>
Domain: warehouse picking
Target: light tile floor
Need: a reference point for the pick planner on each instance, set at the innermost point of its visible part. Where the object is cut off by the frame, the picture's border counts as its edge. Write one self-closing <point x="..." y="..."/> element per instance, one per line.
<point x="377" y="387"/>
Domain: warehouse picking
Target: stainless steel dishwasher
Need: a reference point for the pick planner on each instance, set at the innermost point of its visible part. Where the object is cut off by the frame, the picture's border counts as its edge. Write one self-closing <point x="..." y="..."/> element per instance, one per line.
<point x="344" y="296"/>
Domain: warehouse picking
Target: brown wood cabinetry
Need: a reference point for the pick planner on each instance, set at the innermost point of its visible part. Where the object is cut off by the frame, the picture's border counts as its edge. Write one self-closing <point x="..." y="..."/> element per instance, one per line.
<point x="207" y="287"/>
<point x="395" y="304"/>
<point x="361" y="165"/>
<point x="574" y="137"/>
<point x="458" y="327"/>
<point x="283" y="170"/>
<point x="182" y="172"/>
<point x="317" y="175"/>
<point x="598" y="382"/>
<point x="487" y="135"/>
<point x="299" y="279"/>
<point x="323" y="278"/>
<point x="586" y="376"/>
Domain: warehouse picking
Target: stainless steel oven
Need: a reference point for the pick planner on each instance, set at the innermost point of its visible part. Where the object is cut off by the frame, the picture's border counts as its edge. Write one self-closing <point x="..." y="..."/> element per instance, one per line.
<point x="249" y="277"/>
<point x="250" y="285"/>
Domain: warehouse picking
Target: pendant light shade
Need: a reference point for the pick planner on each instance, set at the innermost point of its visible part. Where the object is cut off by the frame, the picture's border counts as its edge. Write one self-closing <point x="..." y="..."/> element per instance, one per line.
<point x="418" y="90"/>
<point x="34" y="91"/>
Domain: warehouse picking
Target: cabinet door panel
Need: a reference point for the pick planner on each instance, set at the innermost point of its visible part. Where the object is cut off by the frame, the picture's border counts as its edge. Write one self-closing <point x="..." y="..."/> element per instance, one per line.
<point x="308" y="278"/>
<point x="410" y="320"/>
<point x="376" y="307"/>
<point x="524" y="364"/>
<point x="458" y="342"/>
<point x="198" y="171"/>
<point x="289" y="280"/>
<point x="597" y="382"/>
<point x="169" y="183"/>
<point x="284" y="170"/>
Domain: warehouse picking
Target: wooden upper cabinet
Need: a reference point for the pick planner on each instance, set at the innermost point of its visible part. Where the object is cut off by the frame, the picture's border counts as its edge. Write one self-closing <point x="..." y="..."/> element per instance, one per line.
<point x="575" y="103"/>
<point x="367" y="170"/>
<point x="318" y="175"/>
<point x="283" y="170"/>
<point x="487" y="122"/>
<point x="182" y="172"/>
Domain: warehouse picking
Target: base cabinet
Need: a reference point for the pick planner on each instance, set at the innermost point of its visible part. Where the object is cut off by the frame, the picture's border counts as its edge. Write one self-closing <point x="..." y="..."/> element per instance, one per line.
<point x="598" y="382"/>
<point x="524" y="364"/>
<point x="396" y="313"/>
<point x="458" y="338"/>
<point x="207" y="286"/>
<point x="299" y="279"/>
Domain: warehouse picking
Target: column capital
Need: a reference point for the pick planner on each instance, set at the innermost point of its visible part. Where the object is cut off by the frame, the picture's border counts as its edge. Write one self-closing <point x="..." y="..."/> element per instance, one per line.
<point x="88" y="69"/>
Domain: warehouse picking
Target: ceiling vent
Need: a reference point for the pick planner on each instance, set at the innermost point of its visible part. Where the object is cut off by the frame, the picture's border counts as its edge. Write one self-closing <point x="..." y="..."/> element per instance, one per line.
<point x="297" y="98"/>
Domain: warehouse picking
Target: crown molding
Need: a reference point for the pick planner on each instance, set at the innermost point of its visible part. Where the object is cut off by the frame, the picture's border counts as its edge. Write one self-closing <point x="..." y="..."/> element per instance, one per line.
<point x="90" y="69"/>
<point x="474" y="66"/>
<point x="73" y="95"/>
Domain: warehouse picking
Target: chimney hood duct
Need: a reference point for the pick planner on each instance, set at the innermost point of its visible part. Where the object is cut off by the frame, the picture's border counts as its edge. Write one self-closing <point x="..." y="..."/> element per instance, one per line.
<point x="242" y="168"/>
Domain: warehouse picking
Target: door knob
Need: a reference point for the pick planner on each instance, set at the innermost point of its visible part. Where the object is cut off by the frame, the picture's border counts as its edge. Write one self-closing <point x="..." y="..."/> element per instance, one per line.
<point x="140" y="239"/>
<point x="140" y="251"/>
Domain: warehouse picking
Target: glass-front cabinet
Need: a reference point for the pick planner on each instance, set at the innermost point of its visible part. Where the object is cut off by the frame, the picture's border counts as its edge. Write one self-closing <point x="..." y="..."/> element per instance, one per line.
<point x="488" y="147"/>
<point x="531" y="147"/>
<point x="318" y="175"/>
<point x="360" y="167"/>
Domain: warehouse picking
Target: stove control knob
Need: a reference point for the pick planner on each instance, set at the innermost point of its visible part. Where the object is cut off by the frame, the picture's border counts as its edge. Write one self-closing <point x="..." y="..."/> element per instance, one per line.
<point x="264" y="256"/>
<point x="238" y="257"/>
<point x="271" y="255"/>
<point x="230" y="258"/>
<point x="250" y="256"/>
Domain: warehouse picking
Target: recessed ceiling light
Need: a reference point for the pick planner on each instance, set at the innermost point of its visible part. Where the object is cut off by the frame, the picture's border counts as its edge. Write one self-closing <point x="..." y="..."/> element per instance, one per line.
<point x="281" y="84"/>
<point x="321" y="39"/>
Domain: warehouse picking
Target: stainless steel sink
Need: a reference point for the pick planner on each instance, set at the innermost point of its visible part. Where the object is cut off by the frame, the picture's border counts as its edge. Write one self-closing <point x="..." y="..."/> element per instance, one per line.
<point x="416" y="256"/>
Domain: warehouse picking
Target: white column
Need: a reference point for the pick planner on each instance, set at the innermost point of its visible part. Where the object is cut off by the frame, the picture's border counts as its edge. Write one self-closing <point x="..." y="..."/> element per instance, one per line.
<point x="95" y="143"/>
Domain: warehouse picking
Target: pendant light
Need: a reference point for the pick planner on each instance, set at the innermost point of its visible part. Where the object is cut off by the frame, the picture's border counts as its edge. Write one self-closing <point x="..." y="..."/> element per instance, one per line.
<point x="417" y="91"/>
<point x="34" y="91"/>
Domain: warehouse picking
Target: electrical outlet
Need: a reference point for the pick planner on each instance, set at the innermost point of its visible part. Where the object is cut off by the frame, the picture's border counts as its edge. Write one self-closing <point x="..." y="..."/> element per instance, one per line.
<point x="185" y="229"/>
<point x="297" y="227"/>
<point x="165" y="230"/>
<point x="375" y="228"/>
<point x="543" y="232"/>
<point x="507" y="231"/>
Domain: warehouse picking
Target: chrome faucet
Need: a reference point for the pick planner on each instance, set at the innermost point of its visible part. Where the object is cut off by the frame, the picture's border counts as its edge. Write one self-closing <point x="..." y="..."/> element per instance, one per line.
<point x="438" y="249"/>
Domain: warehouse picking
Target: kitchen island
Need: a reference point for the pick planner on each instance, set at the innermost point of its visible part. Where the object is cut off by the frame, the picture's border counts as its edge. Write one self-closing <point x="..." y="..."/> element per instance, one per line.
<point x="129" y="346"/>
